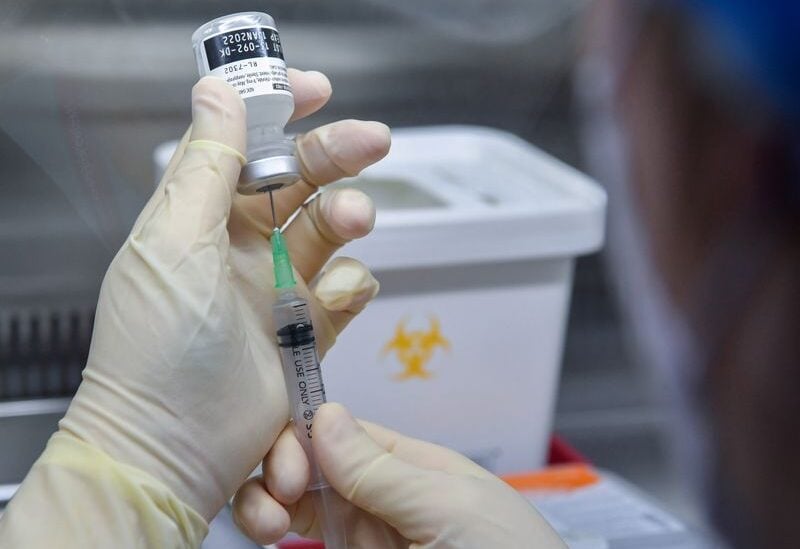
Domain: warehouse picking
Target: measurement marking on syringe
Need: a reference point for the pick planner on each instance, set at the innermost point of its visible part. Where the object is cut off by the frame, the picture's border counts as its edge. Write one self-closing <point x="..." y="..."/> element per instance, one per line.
<point x="301" y="312"/>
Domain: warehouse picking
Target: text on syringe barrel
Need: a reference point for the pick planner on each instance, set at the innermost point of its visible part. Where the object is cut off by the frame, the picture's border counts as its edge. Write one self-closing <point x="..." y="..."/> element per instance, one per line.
<point x="304" y="385"/>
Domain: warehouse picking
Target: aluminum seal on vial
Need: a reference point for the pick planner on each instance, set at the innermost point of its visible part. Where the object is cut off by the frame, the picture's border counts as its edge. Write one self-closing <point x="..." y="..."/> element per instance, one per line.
<point x="245" y="50"/>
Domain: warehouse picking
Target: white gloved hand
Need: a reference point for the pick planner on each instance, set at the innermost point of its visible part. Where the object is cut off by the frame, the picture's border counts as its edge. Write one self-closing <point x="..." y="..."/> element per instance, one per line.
<point x="408" y="493"/>
<point x="184" y="380"/>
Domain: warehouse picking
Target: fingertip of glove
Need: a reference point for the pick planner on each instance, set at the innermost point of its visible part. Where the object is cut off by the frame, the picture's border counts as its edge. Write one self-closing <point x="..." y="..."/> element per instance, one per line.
<point x="376" y="140"/>
<point x="258" y="516"/>
<point x="334" y="423"/>
<point x="321" y="83"/>
<point x="349" y="213"/>
<point x="213" y="92"/>
<point x="218" y="113"/>
<point x="346" y="285"/>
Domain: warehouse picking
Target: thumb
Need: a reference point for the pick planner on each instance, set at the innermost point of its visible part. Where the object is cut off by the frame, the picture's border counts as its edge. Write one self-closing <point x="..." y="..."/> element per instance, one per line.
<point x="197" y="194"/>
<point x="370" y="477"/>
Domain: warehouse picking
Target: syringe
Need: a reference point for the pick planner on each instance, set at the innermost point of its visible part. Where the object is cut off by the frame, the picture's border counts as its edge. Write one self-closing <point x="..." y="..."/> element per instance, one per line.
<point x="304" y="386"/>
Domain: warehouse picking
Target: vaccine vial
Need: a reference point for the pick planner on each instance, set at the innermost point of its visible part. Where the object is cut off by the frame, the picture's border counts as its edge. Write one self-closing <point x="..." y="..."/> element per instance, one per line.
<point x="245" y="50"/>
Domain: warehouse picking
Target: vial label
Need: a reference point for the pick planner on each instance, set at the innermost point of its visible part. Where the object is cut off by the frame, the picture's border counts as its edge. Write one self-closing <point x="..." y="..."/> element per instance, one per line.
<point x="249" y="59"/>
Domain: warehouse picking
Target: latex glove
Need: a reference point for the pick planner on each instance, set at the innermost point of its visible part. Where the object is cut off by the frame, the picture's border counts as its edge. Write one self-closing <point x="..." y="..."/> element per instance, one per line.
<point x="410" y="493"/>
<point x="183" y="380"/>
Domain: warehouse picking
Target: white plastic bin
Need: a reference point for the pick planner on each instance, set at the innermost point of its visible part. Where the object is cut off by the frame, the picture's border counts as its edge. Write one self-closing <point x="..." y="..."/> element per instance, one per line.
<point x="474" y="246"/>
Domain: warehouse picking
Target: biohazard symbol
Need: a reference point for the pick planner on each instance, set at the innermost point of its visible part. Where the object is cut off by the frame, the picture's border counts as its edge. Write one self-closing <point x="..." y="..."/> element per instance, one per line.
<point x="415" y="349"/>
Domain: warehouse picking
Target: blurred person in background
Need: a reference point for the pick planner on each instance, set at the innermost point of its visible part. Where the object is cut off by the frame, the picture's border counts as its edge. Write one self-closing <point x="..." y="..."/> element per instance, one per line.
<point x="693" y="121"/>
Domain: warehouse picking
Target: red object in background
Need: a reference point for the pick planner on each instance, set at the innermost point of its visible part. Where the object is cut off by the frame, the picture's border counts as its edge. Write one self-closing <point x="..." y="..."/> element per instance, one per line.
<point x="301" y="544"/>
<point x="559" y="453"/>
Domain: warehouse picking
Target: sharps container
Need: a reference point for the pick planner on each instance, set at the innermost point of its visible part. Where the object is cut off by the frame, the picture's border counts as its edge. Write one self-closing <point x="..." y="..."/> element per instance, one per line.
<point x="474" y="245"/>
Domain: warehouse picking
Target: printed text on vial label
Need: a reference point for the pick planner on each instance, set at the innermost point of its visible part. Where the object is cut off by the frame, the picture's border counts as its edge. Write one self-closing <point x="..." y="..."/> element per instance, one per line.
<point x="254" y="77"/>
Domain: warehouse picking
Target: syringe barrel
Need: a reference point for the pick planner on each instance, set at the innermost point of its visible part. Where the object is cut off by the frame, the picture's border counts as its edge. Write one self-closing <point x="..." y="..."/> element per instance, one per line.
<point x="301" y="371"/>
<point x="331" y="510"/>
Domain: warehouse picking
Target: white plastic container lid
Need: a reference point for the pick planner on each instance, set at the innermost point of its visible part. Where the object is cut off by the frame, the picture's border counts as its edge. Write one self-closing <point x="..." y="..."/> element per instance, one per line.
<point x="450" y="195"/>
<point x="454" y="195"/>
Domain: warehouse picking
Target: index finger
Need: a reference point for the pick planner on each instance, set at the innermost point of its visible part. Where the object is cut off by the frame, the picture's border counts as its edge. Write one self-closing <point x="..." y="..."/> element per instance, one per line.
<point x="311" y="90"/>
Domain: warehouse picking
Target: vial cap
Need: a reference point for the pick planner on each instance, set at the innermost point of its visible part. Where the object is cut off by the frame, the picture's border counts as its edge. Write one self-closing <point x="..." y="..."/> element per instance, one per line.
<point x="268" y="174"/>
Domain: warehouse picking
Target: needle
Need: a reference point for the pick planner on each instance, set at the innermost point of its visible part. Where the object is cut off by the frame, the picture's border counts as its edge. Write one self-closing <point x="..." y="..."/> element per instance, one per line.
<point x="272" y="207"/>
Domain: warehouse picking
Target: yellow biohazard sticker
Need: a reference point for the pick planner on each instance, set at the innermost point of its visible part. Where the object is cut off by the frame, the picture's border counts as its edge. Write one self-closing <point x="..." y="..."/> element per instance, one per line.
<point x="414" y="349"/>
